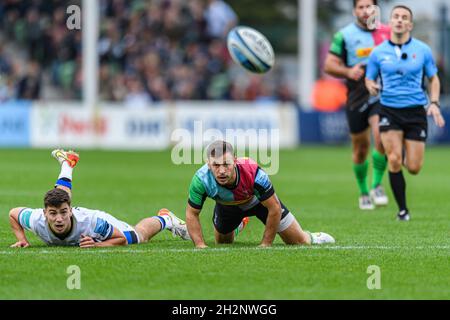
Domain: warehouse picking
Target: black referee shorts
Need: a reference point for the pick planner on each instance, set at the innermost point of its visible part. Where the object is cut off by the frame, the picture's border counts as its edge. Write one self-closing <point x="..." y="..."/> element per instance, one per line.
<point x="227" y="218"/>
<point x="358" y="118"/>
<point x="412" y="121"/>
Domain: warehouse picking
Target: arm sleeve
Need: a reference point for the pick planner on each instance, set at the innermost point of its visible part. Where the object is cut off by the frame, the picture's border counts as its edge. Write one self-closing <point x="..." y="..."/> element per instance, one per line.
<point x="263" y="186"/>
<point x="429" y="64"/>
<point x="101" y="229"/>
<point x="373" y="67"/>
<point x="197" y="193"/>
<point x="27" y="218"/>
<point x="338" y="46"/>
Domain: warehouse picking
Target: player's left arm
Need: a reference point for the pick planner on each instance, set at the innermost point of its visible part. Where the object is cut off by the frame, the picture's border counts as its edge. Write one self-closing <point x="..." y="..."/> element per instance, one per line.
<point x="273" y="220"/>
<point x="102" y="234"/>
<point x="116" y="239"/>
<point x="434" y="89"/>
<point x="434" y="109"/>
<point x="266" y="194"/>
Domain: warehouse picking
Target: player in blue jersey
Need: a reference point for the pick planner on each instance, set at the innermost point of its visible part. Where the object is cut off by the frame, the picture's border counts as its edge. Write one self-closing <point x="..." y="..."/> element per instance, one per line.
<point x="241" y="189"/>
<point x="60" y="224"/>
<point x="347" y="59"/>
<point x="402" y="64"/>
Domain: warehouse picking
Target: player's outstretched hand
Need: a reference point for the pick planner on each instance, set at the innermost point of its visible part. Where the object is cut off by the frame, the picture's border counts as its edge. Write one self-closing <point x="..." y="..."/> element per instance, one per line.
<point x="201" y="246"/>
<point x="264" y="245"/>
<point x="86" y="242"/>
<point x="434" y="111"/>
<point x="20" y="244"/>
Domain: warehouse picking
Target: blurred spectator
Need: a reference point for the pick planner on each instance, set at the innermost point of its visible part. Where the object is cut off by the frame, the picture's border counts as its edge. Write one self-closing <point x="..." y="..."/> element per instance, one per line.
<point x="29" y="86"/>
<point x="136" y="96"/>
<point x="5" y="63"/>
<point x="149" y="51"/>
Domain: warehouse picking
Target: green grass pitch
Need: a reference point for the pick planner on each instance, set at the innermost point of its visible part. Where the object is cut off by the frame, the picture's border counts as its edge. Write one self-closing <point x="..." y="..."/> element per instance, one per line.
<point x="316" y="184"/>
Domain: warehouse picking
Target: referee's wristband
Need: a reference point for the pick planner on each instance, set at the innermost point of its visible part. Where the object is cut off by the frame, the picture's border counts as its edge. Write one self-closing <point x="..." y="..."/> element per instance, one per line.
<point x="436" y="103"/>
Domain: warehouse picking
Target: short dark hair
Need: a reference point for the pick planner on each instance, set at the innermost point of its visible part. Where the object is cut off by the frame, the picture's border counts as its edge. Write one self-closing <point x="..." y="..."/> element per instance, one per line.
<point x="56" y="198"/>
<point x="401" y="6"/>
<point x="355" y="3"/>
<point x="218" y="148"/>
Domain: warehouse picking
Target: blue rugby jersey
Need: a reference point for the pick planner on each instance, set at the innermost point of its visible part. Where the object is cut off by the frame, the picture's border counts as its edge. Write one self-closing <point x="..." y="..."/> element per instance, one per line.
<point x="402" y="70"/>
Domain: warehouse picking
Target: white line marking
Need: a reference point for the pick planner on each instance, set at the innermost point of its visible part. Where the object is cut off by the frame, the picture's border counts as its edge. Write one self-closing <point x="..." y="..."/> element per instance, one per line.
<point x="159" y="250"/>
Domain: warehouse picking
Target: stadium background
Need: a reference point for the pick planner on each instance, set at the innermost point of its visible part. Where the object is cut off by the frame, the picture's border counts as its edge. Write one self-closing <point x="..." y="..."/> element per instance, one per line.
<point x="163" y="65"/>
<point x="159" y="57"/>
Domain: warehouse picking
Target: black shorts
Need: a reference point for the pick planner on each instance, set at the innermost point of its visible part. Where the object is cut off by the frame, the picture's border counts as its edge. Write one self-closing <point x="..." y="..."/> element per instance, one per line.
<point x="412" y="121"/>
<point x="227" y="218"/>
<point x="358" y="118"/>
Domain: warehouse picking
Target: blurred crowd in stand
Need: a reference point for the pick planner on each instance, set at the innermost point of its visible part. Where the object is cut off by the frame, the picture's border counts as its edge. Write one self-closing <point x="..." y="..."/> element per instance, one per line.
<point x="149" y="51"/>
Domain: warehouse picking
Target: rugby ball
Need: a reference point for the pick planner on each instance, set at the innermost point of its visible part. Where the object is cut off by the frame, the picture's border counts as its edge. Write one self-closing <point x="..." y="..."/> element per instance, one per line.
<point x="250" y="49"/>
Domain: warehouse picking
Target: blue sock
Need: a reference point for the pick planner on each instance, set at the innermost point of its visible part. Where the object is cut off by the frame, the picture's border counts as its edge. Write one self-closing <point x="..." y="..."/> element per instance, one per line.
<point x="64" y="182"/>
<point x="162" y="221"/>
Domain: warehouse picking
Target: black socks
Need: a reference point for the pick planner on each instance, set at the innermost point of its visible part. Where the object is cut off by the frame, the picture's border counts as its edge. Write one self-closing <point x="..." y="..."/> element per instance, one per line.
<point x="398" y="186"/>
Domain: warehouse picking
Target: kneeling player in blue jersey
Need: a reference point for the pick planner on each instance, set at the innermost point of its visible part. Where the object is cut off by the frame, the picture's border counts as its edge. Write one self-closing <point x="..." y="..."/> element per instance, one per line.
<point x="241" y="189"/>
<point x="61" y="225"/>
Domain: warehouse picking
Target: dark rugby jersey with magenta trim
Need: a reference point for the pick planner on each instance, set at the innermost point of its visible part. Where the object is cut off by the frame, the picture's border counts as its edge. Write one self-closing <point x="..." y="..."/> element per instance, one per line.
<point x="252" y="186"/>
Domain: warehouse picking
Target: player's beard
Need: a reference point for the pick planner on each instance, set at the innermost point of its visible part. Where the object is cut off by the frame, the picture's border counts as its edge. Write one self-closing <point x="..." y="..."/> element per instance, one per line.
<point x="224" y="181"/>
<point x="230" y="179"/>
<point x="362" y="21"/>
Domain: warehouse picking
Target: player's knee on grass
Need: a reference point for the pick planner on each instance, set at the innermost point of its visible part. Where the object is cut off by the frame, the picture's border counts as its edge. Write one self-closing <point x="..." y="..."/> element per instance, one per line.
<point x="14" y="212"/>
<point x="147" y="228"/>
<point x="66" y="189"/>
<point x="224" y="238"/>
<point x="294" y="235"/>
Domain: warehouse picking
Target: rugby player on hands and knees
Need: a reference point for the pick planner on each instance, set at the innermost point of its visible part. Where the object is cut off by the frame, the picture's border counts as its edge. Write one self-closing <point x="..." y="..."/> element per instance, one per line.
<point x="241" y="189"/>
<point x="60" y="224"/>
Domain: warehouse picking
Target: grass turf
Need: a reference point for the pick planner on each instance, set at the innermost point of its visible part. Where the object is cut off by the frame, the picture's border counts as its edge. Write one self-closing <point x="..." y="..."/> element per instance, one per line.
<point x="316" y="184"/>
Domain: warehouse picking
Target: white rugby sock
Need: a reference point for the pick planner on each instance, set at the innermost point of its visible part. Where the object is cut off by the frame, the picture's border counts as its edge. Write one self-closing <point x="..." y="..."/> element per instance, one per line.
<point x="166" y="223"/>
<point x="66" y="171"/>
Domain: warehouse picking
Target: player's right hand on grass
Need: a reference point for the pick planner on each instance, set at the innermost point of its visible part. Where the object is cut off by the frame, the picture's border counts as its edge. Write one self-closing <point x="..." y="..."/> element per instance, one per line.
<point x="201" y="246"/>
<point x="20" y="244"/>
<point x="356" y="72"/>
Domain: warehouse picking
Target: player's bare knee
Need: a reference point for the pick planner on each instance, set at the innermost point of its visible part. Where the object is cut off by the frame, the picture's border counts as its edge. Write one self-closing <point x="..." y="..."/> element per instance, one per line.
<point x="395" y="161"/>
<point x="224" y="241"/>
<point x="414" y="169"/>
<point x="302" y="239"/>
<point x="14" y="211"/>
<point x="305" y="239"/>
<point x="224" y="238"/>
<point x="143" y="236"/>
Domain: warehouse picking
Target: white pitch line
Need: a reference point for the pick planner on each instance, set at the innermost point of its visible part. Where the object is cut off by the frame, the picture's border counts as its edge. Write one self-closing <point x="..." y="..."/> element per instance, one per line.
<point x="287" y="248"/>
